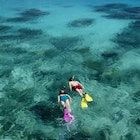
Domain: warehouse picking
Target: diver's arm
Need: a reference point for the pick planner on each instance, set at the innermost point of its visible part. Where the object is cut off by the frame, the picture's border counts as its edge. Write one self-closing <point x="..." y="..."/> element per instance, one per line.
<point x="70" y="98"/>
<point x="70" y="87"/>
<point x="58" y="99"/>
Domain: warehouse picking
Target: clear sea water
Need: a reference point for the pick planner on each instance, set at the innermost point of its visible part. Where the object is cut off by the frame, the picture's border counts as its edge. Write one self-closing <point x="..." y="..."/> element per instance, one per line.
<point x="43" y="43"/>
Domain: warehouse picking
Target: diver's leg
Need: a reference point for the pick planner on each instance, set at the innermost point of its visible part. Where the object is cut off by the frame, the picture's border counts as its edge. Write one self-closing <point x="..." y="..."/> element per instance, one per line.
<point x="63" y="104"/>
<point x="80" y="92"/>
<point x="68" y="105"/>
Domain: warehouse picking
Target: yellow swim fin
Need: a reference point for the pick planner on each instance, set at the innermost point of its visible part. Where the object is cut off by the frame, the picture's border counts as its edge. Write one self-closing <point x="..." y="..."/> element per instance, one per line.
<point x="88" y="97"/>
<point x="84" y="103"/>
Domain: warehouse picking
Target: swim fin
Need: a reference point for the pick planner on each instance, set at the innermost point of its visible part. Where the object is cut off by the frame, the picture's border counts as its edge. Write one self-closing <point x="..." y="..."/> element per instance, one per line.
<point x="67" y="116"/>
<point x="84" y="103"/>
<point x="88" y="97"/>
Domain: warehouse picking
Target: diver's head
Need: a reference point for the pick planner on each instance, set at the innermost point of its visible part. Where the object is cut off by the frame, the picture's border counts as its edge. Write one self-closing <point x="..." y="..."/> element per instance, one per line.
<point x="61" y="91"/>
<point x="72" y="78"/>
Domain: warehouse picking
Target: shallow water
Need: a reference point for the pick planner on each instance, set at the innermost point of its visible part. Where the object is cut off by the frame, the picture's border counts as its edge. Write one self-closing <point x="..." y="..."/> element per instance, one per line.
<point x="44" y="43"/>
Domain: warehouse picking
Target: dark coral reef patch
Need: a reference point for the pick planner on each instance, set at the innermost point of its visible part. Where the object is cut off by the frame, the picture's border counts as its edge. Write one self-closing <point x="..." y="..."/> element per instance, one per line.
<point x="123" y="15"/>
<point x="22" y="33"/>
<point x="109" y="8"/>
<point x="27" y="32"/>
<point x="34" y="13"/>
<point x="83" y="51"/>
<point x="4" y="28"/>
<point x="64" y="43"/>
<point x="28" y="15"/>
<point x="129" y="38"/>
<point x="81" y="22"/>
<point x="8" y="37"/>
<point x="45" y="112"/>
<point x="110" y="56"/>
<point x="8" y="49"/>
<point x="119" y="11"/>
<point x="94" y="65"/>
<point x="18" y="19"/>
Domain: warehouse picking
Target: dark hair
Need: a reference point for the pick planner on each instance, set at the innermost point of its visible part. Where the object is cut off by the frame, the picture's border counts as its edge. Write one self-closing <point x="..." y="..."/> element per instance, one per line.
<point x="62" y="92"/>
<point x="71" y="79"/>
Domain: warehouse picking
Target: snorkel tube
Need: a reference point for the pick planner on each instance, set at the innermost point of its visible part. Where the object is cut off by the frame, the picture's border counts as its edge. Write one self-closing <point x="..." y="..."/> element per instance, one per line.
<point x="72" y="77"/>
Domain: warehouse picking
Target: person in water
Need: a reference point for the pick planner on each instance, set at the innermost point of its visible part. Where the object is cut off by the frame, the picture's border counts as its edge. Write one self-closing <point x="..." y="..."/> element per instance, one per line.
<point x="76" y="86"/>
<point x="64" y="99"/>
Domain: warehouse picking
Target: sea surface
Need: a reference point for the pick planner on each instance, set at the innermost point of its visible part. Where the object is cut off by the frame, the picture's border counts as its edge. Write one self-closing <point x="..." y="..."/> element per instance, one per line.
<point x="45" y="42"/>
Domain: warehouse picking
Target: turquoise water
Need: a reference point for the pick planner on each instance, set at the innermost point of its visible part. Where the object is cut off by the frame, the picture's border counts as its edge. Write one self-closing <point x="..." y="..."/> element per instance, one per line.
<point x="43" y="43"/>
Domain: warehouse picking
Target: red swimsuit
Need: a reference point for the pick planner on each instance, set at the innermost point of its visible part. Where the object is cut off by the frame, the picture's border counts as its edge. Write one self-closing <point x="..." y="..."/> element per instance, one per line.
<point x="77" y="87"/>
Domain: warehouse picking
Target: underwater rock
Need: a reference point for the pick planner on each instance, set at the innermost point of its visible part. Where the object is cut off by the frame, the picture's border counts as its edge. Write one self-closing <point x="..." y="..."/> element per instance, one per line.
<point x="128" y="136"/>
<point x="6" y="126"/>
<point x="129" y="37"/>
<point x="97" y="67"/>
<point x="81" y="22"/>
<point x="46" y="112"/>
<point x="16" y="96"/>
<point x="64" y="43"/>
<point x="136" y="96"/>
<point x="82" y="51"/>
<point x="111" y="77"/>
<point x="93" y="64"/>
<point x="123" y="15"/>
<point x="137" y="121"/>
<point x="18" y="19"/>
<point x="38" y="135"/>
<point x="119" y="11"/>
<point x="5" y="71"/>
<point x="109" y="8"/>
<point x="9" y="49"/>
<point x="51" y="53"/>
<point x="135" y="25"/>
<point x="8" y="37"/>
<point x="103" y="133"/>
<point x="135" y="10"/>
<point x="126" y="38"/>
<point x="27" y="32"/>
<point x="4" y="28"/>
<point x="110" y="55"/>
<point x="33" y="13"/>
<point x="80" y="136"/>
<point x="28" y="15"/>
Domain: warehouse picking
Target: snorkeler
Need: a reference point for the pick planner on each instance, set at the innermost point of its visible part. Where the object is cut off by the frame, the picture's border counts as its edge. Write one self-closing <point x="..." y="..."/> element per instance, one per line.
<point x="64" y="99"/>
<point x="76" y="86"/>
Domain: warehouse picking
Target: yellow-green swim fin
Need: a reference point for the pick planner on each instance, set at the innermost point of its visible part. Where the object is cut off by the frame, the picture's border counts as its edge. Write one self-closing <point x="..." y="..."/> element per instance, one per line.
<point x="84" y="103"/>
<point x="88" y="97"/>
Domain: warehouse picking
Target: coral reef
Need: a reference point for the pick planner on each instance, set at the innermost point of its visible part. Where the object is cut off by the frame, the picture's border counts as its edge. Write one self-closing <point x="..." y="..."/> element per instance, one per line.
<point x="28" y="15"/>
<point x="119" y="11"/>
<point x="129" y="37"/>
<point x="81" y="22"/>
<point x="33" y="13"/>
<point x="110" y="8"/>
<point x="64" y="43"/>
<point x="18" y="19"/>
<point x="4" y="28"/>
<point x="29" y="33"/>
